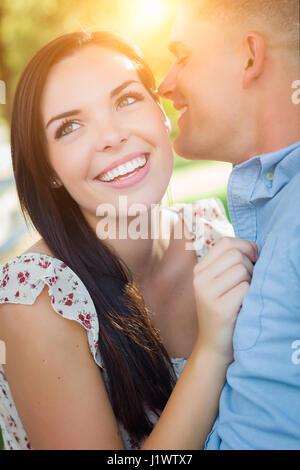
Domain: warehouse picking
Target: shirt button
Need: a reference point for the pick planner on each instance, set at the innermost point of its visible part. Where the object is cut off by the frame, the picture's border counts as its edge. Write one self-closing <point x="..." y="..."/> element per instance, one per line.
<point x="270" y="176"/>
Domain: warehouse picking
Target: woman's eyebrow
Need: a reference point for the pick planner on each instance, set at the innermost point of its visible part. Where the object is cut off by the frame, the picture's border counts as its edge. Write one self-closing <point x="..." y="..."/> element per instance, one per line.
<point x="114" y="92"/>
<point x="117" y="90"/>
<point x="63" y="115"/>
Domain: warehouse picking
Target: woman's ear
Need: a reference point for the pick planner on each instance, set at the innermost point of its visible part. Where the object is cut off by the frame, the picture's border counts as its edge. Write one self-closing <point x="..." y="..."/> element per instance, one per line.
<point x="255" y="48"/>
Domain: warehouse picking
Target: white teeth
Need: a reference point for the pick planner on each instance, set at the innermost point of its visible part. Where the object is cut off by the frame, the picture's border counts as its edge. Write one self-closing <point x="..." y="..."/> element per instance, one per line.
<point x="130" y="166"/>
<point x="183" y="110"/>
<point x="124" y="169"/>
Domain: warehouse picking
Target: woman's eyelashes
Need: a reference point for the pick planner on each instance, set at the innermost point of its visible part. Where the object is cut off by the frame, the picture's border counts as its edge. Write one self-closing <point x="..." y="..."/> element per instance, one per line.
<point x="128" y="99"/>
<point x="64" y="128"/>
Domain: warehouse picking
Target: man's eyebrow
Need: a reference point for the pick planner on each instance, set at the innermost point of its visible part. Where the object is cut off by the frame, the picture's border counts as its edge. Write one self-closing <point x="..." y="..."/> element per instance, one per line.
<point x="175" y="47"/>
<point x="114" y="92"/>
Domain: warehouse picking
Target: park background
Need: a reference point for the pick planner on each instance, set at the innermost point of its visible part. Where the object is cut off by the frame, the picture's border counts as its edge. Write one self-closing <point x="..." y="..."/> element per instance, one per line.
<point x="25" y="26"/>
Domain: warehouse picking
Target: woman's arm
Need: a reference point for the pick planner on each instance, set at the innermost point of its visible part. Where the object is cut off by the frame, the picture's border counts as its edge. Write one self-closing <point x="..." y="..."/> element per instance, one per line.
<point x="60" y="393"/>
<point x="57" y="387"/>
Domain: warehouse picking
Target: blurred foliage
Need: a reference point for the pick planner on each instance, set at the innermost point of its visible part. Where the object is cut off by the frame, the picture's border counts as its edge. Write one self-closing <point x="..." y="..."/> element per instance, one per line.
<point x="26" y="25"/>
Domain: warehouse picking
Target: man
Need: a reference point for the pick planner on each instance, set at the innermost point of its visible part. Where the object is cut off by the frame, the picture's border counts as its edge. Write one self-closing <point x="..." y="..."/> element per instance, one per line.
<point x="237" y="62"/>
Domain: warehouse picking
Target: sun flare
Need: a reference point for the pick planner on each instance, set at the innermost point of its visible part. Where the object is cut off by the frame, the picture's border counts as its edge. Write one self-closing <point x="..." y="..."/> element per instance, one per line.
<point x="149" y="13"/>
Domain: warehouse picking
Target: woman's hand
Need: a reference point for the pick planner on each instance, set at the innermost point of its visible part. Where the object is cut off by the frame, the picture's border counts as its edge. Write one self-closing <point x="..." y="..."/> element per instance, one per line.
<point x="221" y="280"/>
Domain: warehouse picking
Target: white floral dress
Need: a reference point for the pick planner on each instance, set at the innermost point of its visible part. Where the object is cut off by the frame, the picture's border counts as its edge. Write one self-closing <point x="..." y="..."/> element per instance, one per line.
<point x="23" y="278"/>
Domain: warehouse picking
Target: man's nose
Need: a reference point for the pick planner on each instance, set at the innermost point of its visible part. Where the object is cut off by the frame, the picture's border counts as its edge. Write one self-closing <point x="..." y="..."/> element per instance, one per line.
<point x="168" y="85"/>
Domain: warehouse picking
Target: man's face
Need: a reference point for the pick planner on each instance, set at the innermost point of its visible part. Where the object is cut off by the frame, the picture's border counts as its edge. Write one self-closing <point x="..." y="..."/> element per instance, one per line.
<point x="205" y="82"/>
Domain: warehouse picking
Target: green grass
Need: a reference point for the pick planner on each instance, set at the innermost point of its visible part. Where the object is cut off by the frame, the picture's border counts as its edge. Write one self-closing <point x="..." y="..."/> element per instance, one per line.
<point x="183" y="164"/>
<point x="1" y="441"/>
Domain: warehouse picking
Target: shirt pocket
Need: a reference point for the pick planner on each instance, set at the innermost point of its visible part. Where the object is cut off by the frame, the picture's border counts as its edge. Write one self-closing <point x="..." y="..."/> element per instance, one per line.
<point x="248" y="325"/>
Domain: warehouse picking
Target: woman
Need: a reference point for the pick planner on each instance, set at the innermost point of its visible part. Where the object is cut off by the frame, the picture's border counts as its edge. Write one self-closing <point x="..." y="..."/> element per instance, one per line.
<point x="88" y="130"/>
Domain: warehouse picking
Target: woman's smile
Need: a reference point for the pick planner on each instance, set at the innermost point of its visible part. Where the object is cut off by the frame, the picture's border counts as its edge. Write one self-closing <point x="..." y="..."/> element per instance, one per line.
<point x="126" y="172"/>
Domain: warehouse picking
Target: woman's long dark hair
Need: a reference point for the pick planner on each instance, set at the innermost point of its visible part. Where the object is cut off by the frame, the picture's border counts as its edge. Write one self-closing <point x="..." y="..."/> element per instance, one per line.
<point x="139" y="370"/>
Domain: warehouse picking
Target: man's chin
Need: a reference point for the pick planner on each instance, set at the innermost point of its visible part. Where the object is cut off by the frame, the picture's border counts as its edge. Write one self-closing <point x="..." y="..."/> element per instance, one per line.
<point x="183" y="148"/>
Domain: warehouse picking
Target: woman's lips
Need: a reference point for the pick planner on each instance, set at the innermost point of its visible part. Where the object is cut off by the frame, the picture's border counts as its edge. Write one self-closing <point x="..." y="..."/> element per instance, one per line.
<point x="131" y="179"/>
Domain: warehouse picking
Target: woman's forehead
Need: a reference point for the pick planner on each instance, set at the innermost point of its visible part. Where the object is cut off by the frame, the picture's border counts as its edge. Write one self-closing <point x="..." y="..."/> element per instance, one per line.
<point x="93" y="69"/>
<point x="92" y="60"/>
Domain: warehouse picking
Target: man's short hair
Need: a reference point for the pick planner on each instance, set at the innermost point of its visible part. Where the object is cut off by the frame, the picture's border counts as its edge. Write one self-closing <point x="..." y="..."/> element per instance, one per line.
<point x="280" y="15"/>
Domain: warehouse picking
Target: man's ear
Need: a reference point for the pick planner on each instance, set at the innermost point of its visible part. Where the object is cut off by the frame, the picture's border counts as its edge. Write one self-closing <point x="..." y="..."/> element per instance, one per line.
<point x="255" y="51"/>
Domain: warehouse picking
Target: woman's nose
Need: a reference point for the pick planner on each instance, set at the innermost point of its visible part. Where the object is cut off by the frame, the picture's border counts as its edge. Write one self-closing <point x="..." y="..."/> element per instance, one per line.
<point x="111" y="138"/>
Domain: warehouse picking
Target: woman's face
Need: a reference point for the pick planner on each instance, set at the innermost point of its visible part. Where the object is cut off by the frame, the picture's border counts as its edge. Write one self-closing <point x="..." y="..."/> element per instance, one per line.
<point x="101" y="126"/>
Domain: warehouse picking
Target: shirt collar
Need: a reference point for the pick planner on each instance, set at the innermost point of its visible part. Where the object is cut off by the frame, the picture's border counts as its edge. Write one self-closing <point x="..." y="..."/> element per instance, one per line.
<point x="268" y="160"/>
<point x="263" y="176"/>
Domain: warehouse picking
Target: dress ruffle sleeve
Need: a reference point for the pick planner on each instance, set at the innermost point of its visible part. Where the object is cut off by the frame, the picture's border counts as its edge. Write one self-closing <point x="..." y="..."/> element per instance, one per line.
<point x="23" y="279"/>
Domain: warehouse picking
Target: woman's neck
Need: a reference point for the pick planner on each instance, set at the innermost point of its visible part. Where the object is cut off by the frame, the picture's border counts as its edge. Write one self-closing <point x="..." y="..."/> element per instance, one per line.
<point x="143" y="256"/>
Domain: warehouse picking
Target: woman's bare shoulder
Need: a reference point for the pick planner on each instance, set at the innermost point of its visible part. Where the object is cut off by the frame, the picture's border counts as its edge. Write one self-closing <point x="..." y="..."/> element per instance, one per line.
<point x="39" y="247"/>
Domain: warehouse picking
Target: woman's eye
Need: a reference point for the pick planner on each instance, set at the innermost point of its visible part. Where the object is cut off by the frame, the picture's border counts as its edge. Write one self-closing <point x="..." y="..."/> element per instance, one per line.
<point x="128" y="100"/>
<point x="67" y="128"/>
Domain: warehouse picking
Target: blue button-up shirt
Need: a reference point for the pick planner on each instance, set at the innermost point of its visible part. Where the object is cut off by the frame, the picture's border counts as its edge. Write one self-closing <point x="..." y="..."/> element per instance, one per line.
<point x="260" y="402"/>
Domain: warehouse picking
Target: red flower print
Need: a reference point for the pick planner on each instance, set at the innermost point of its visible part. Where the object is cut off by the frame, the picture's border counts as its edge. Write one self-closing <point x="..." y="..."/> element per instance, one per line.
<point x="134" y="444"/>
<point x="17" y="294"/>
<point x="5" y="280"/>
<point x="12" y="422"/>
<point x="69" y="302"/>
<point x="70" y="296"/>
<point x="85" y="320"/>
<point x="21" y="278"/>
<point x="63" y="265"/>
<point x="45" y="265"/>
